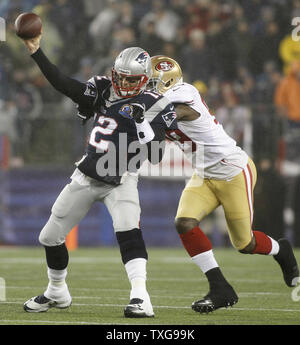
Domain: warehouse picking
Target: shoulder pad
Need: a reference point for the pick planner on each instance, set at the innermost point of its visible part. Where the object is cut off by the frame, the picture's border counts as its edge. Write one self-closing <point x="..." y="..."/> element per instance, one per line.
<point x="101" y="82"/>
<point x="98" y="85"/>
<point x="183" y="93"/>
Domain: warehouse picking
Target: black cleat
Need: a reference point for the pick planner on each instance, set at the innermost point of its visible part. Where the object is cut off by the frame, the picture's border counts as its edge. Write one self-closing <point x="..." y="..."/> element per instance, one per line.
<point x="287" y="262"/>
<point x="214" y="300"/>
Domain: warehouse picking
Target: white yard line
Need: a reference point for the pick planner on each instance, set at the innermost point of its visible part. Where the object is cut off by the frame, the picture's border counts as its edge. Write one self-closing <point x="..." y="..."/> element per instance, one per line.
<point x="170" y="307"/>
<point x="125" y="291"/>
<point x="56" y="322"/>
<point x="92" y="260"/>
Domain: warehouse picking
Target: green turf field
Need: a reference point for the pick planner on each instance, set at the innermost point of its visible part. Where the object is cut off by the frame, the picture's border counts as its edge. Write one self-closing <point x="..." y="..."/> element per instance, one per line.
<point x="100" y="289"/>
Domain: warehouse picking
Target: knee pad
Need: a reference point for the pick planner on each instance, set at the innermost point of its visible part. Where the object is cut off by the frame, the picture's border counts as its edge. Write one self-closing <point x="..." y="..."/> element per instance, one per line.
<point x="52" y="233"/>
<point x="132" y="245"/>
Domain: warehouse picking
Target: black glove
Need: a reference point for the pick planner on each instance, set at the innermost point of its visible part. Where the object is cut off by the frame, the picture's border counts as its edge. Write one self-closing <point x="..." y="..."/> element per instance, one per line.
<point x="138" y="112"/>
<point x="84" y="114"/>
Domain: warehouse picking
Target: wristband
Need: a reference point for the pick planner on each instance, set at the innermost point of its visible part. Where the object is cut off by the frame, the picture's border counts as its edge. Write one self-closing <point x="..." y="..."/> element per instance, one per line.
<point x="144" y="131"/>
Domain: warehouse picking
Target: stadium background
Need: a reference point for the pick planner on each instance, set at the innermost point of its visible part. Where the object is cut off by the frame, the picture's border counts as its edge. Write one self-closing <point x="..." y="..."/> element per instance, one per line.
<point x="235" y="52"/>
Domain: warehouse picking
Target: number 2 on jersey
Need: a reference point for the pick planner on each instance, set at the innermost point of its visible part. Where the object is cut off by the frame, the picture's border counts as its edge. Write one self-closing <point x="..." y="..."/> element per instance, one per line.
<point x="106" y="126"/>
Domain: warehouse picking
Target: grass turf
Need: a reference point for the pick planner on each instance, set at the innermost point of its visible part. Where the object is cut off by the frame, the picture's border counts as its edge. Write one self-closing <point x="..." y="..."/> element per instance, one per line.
<point x="100" y="289"/>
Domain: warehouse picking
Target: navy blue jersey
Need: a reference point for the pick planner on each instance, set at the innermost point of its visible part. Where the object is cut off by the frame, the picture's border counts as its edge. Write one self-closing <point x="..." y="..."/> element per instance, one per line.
<point x="114" y="131"/>
<point x="113" y="141"/>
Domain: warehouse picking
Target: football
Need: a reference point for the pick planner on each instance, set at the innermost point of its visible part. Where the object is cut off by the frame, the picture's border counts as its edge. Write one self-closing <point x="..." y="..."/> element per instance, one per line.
<point x="28" y="25"/>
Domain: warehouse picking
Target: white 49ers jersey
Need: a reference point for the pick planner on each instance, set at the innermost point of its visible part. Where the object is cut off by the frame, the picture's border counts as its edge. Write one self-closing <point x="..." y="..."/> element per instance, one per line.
<point x="213" y="153"/>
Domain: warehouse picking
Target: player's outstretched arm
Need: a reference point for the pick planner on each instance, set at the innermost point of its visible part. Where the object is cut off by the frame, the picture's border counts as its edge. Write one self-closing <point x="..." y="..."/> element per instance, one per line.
<point x="69" y="87"/>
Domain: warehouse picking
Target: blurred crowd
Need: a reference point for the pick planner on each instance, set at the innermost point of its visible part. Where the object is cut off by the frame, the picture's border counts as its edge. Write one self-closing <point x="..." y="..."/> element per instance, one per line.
<point x="236" y="52"/>
<point x="239" y="54"/>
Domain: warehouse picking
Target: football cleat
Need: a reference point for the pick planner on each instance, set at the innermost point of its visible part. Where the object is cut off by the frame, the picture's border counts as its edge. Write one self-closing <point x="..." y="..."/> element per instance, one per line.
<point x="138" y="308"/>
<point x="39" y="304"/>
<point x="212" y="301"/>
<point x="287" y="262"/>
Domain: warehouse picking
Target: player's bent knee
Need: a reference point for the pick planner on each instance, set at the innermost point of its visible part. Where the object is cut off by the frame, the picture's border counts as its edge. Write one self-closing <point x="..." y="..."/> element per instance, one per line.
<point x="249" y="248"/>
<point x="51" y="234"/>
<point x="43" y="239"/>
<point x="184" y="225"/>
<point x="49" y="240"/>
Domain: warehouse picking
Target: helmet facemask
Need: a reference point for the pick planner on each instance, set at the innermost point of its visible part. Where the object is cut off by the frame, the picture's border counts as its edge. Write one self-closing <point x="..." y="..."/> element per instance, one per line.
<point x="127" y="86"/>
<point x="156" y="83"/>
<point x="159" y="84"/>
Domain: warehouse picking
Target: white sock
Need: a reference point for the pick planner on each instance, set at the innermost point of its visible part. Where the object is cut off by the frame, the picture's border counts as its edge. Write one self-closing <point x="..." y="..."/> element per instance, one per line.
<point x="57" y="288"/>
<point x="275" y="247"/>
<point x="206" y="261"/>
<point x="136" y="271"/>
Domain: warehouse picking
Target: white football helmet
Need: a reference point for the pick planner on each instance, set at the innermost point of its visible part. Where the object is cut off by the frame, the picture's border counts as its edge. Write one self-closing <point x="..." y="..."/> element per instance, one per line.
<point x="131" y="72"/>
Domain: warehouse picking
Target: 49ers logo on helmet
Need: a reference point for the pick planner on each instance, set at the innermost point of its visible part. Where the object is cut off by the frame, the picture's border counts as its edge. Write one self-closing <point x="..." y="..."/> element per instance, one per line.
<point x="164" y="66"/>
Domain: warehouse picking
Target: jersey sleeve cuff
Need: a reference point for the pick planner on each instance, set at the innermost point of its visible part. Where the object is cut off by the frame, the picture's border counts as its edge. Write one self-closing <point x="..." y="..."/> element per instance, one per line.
<point x="37" y="53"/>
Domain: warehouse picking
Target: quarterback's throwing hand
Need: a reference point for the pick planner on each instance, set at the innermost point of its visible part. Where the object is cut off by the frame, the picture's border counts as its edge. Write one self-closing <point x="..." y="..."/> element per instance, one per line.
<point x="84" y="114"/>
<point x="33" y="44"/>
